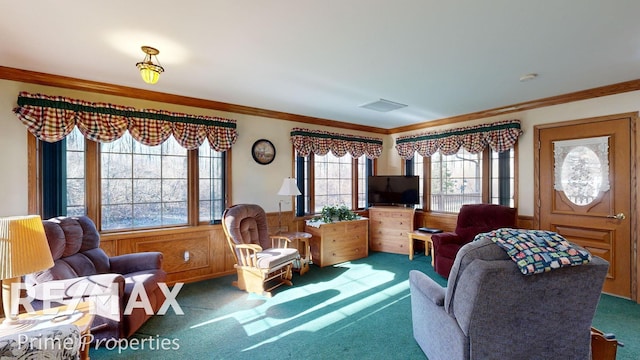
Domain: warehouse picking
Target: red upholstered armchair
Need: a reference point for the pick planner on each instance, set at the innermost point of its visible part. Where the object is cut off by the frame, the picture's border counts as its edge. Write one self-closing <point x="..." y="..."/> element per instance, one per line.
<point x="473" y="219"/>
<point x="82" y="269"/>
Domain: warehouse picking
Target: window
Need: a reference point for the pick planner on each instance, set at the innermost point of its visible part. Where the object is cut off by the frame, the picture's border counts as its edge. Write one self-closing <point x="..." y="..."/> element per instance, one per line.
<point x="143" y="186"/>
<point x="364" y="170"/>
<point x="454" y="180"/>
<point x="75" y="189"/>
<point x="330" y="180"/>
<point x="138" y="186"/>
<point x="212" y="185"/>
<point x="415" y="166"/>
<point x="502" y="178"/>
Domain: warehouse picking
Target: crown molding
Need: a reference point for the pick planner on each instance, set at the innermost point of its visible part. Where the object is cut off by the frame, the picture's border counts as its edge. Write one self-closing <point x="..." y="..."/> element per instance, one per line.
<point x="618" y="88"/>
<point x="40" y="78"/>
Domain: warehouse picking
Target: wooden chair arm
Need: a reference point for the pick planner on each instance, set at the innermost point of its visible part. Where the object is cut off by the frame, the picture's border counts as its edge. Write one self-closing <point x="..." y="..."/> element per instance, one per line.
<point x="278" y="241"/>
<point x="603" y="346"/>
<point x="248" y="254"/>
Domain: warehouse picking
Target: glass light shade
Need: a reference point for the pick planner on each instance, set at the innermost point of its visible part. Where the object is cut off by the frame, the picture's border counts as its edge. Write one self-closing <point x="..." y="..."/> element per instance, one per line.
<point x="150" y="73"/>
<point x="289" y="187"/>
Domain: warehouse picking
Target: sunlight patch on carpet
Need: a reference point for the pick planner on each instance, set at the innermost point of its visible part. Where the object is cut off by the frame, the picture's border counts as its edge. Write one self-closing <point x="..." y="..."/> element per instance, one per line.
<point x="370" y="303"/>
<point x="333" y="301"/>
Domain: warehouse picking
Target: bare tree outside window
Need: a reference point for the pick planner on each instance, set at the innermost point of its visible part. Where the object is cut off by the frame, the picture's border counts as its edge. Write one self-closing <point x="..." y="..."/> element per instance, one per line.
<point x="75" y="173"/>
<point x="143" y="186"/>
<point x="333" y="185"/>
<point x="455" y="180"/>
<point x="211" y="183"/>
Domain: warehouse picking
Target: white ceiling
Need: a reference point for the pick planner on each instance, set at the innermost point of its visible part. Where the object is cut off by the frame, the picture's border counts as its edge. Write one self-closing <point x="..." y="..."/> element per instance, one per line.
<point x="325" y="58"/>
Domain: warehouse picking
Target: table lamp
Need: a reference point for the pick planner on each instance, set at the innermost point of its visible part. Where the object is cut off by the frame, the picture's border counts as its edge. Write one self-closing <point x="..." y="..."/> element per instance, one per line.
<point x="288" y="188"/>
<point x="23" y="250"/>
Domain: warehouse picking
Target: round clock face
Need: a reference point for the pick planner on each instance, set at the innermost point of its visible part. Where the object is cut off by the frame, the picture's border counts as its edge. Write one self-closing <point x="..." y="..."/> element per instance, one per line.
<point x="263" y="151"/>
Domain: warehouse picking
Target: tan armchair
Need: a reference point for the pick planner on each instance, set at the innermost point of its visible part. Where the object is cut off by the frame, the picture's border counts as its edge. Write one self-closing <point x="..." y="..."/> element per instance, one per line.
<point x="263" y="262"/>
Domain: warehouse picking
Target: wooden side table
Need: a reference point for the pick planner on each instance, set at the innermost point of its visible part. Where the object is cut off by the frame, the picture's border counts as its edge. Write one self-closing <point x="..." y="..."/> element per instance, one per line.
<point x="428" y="244"/>
<point x="80" y="316"/>
<point x="301" y="242"/>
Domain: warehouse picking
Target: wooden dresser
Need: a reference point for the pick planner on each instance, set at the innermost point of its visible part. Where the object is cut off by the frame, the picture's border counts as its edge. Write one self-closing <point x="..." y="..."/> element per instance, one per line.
<point x="338" y="242"/>
<point x="389" y="227"/>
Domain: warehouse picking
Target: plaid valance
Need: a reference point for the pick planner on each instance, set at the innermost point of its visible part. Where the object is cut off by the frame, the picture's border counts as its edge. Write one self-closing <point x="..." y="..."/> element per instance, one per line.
<point x="52" y="118"/>
<point x="500" y="136"/>
<point x="319" y="142"/>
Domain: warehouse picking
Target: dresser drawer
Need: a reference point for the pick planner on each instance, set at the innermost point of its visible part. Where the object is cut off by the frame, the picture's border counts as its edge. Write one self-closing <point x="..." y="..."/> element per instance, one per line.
<point x="346" y="253"/>
<point x="389" y="227"/>
<point x="338" y="242"/>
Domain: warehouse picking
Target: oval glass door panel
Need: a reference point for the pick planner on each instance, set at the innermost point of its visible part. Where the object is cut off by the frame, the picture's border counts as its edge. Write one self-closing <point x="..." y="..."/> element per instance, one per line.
<point x="581" y="175"/>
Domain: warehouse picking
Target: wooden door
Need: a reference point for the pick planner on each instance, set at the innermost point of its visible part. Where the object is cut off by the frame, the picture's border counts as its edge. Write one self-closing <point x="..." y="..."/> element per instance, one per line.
<point x="584" y="187"/>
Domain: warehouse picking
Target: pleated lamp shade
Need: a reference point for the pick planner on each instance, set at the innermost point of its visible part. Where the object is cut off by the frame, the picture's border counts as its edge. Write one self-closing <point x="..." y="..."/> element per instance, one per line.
<point x="289" y="187"/>
<point x="23" y="246"/>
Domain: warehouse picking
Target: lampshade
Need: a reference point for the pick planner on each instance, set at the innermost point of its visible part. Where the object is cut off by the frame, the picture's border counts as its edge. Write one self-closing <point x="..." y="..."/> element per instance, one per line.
<point x="149" y="71"/>
<point x="289" y="187"/>
<point x="23" y="246"/>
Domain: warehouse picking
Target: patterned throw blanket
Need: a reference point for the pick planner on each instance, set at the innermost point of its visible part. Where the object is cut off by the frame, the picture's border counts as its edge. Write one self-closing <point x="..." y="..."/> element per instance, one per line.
<point x="537" y="251"/>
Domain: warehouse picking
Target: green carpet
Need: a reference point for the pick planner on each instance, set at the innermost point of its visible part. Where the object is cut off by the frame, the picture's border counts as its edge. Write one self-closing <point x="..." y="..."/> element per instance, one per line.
<point x="354" y="310"/>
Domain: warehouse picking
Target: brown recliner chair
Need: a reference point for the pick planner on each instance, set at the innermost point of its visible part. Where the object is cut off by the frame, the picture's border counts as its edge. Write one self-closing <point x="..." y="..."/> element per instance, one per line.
<point x="473" y="219"/>
<point x="82" y="269"/>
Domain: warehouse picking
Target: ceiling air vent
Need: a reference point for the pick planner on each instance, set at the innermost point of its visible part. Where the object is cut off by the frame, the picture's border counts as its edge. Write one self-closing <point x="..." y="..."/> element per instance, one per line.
<point x="383" y="105"/>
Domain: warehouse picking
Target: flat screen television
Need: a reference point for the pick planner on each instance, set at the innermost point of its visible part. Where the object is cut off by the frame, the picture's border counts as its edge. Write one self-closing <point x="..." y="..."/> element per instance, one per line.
<point x="393" y="190"/>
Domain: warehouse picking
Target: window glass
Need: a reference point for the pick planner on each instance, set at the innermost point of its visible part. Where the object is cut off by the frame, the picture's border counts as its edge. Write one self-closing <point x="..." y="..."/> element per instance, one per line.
<point x="75" y="174"/>
<point x="302" y="172"/>
<point x="332" y="182"/>
<point x="137" y="186"/>
<point x="502" y="178"/>
<point x="418" y="169"/>
<point x="329" y="180"/>
<point x="455" y="180"/>
<point x="143" y="186"/>
<point x="362" y="182"/>
<point x="211" y="185"/>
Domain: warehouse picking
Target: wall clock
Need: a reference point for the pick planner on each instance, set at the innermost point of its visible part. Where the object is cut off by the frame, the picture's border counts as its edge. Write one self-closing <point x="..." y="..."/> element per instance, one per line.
<point x="263" y="151"/>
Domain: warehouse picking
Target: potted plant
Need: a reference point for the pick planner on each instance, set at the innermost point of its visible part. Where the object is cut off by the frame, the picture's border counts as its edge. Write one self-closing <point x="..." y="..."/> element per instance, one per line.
<point x="330" y="214"/>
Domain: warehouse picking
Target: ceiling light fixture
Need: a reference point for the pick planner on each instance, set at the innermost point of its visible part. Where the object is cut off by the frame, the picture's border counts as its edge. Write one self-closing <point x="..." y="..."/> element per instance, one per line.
<point x="149" y="71"/>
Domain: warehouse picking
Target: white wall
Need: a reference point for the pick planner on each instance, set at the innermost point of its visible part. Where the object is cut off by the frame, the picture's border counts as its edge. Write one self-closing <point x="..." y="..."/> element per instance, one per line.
<point x="259" y="183"/>
<point x="608" y="105"/>
<point x="13" y="154"/>
<point x="251" y="182"/>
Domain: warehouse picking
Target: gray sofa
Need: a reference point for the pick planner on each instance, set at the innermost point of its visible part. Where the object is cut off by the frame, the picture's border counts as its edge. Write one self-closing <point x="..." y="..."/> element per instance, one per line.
<point x="490" y="310"/>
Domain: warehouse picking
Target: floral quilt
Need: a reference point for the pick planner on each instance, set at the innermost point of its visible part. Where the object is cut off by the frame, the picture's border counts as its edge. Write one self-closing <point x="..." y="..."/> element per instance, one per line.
<point x="537" y="251"/>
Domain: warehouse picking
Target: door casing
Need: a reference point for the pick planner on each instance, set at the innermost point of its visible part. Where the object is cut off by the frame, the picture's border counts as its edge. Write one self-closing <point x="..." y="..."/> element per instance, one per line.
<point x="634" y="186"/>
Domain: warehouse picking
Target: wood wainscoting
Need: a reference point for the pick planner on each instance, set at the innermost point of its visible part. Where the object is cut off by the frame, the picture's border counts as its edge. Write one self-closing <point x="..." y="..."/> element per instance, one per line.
<point x="207" y="249"/>
<point x="190" y="253"/>
<point x="447" y="221"/>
